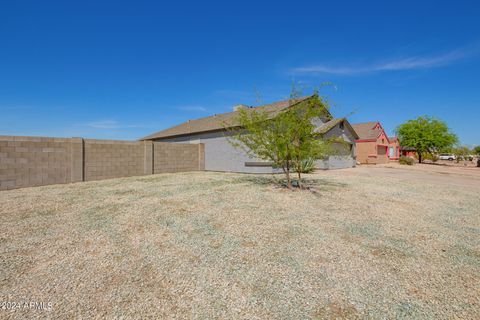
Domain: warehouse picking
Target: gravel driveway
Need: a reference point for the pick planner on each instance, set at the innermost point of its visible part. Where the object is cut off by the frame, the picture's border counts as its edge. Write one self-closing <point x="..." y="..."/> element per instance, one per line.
<point x="216" y="245"/>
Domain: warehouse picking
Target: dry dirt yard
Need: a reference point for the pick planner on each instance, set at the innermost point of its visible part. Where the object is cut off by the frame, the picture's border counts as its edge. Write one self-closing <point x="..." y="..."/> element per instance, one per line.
<point x="371" y="242"/>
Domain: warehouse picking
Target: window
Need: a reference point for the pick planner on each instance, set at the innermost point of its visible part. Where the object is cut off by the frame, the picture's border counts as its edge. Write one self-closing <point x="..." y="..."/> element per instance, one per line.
<point x="341" y="125"/>
<point x="259" y="164"/>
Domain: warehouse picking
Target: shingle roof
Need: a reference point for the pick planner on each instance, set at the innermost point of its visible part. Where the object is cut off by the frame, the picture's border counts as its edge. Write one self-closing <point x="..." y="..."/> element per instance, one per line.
<point x="329" y="125"/>
<point x="219" y="121"/>
<point x="366" y="130"/>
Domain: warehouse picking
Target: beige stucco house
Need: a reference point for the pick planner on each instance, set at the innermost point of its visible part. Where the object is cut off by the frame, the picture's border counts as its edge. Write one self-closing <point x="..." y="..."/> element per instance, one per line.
<point x="373" y="145"/>
<point x="220" y="155"/>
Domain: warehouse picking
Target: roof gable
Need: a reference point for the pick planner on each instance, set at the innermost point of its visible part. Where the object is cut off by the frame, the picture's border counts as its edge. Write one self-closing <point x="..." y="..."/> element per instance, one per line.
<point x="366" y="130"/>
<point x="370" y="130"/>
<point x="329" y="125"/>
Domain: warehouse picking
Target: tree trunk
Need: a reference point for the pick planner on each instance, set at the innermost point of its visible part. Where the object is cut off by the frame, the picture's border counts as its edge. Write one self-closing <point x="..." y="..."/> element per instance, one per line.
<point x="286" y="170"/>
<point x="299" y="178"/>
<point x="289" y="181"/>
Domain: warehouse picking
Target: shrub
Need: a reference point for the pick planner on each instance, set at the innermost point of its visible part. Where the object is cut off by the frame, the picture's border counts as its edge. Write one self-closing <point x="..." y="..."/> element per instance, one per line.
<point x="431" y="157"/>
<point x="406" y="160"/>
<point x="307" y="166"/>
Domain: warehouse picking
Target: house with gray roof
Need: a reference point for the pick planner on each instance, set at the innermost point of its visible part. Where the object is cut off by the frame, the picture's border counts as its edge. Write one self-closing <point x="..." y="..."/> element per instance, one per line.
<point x="373" y="145"/>
<point x="220" y="155"/>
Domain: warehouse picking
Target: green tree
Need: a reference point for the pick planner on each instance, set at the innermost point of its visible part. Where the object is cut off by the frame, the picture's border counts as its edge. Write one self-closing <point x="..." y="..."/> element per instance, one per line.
<point x="476" y="150"/>
<point x="461" y="152"/>
<point x="427" y="135"/>
<point x="288" y="139"/>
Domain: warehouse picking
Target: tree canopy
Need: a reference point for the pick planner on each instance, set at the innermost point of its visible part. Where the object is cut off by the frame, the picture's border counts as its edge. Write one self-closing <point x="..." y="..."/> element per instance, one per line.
<point x="476" y="150"/>
<point x="427" y="135"/>
<point x="461" y="152"/>
<point x="288" y="139"/>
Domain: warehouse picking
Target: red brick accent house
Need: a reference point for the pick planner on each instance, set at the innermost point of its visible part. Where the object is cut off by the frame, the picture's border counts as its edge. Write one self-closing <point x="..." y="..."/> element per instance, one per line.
<point x="394" y="150"/>
<point x="374" y="146"/>
<point x="408" y="152"/>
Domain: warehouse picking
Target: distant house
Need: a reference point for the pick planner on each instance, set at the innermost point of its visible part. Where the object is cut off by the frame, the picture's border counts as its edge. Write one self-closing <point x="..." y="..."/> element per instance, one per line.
<point x="408" y="152"/>
<point x="220" y="155"/>
<point x="394" y="150"/>
<point x="373" y="145"/>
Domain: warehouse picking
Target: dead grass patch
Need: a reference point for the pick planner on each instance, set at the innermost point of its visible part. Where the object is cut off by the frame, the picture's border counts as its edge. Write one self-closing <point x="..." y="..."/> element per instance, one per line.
<point x="213" y="245"/>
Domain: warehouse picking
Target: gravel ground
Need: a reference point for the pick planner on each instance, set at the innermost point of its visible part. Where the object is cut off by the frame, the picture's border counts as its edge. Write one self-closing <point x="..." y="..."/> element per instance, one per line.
<point x="213" y="245"/>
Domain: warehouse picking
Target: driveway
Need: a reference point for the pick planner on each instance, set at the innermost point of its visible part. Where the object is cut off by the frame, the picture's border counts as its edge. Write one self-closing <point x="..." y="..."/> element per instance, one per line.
<point x="437" y="174"/>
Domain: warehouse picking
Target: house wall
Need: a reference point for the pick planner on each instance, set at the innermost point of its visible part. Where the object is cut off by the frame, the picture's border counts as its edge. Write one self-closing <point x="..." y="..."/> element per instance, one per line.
<point x="36" y="161"/>
<point x="345" y="157"/>
<point x="373" y="151"/>
<point x="382" y="155"/>
<point x="366" y="151"/>
<point x="408" y="153"/>
<point x="396" y="150"/>
<point x="220" y="155"/>
<point x="382" y="149"/>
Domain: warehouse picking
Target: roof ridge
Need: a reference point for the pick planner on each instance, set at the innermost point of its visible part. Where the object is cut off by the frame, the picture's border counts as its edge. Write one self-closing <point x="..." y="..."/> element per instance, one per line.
<point x="250" y="107"/>
<point x="209" y="121"/>
<point x="363" y="123"/>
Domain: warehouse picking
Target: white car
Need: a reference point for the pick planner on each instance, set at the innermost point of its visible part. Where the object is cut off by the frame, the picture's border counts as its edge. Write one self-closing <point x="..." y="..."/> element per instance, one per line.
<point x="447" y="156"/>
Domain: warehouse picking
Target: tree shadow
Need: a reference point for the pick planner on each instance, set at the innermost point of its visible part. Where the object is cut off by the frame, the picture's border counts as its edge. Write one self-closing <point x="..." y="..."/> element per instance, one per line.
<point x="313" y="185"/>
<point x="259" y="180"/>
<point x="435" y="163"/>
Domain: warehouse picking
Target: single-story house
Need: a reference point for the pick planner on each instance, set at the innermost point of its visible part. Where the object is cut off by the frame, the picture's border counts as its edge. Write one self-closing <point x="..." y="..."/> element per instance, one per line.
<point x="373" y="145"/>
<point x="409" y="152"/>
<point x="220" y="155"/>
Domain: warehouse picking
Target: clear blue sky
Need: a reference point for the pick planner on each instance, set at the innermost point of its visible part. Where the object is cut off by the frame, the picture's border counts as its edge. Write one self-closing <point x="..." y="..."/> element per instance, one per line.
<point x="121" y="70"/>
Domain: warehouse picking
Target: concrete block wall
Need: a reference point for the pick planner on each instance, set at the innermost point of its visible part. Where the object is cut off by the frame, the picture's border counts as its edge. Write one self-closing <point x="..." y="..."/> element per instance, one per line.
<point x="37" y="161"/>
<point x="76" y="160"/>
<point x="105" y="159"/>
<point x="173" y="157"/>
<point x="34" y="161"/>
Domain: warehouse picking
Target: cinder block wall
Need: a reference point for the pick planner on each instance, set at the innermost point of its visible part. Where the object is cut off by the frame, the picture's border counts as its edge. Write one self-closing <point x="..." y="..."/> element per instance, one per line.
<point x="105" y="159"/>
<point x="36" y="161"/>
<point x="174" y="157"/>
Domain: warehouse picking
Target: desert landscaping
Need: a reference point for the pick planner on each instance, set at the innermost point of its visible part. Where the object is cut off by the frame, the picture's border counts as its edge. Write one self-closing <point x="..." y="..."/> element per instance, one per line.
<point x="236" y="160"/>
<point x="370" y="242"/>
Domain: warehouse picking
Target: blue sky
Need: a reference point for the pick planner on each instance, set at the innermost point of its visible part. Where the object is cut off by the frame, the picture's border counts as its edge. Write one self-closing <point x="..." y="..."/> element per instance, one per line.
<point x="122" y="70"/>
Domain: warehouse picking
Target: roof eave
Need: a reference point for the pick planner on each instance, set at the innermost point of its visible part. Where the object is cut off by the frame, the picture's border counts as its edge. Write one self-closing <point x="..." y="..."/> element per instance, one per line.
<point x="155" y="136"/>
<point x="189" y="134"/>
